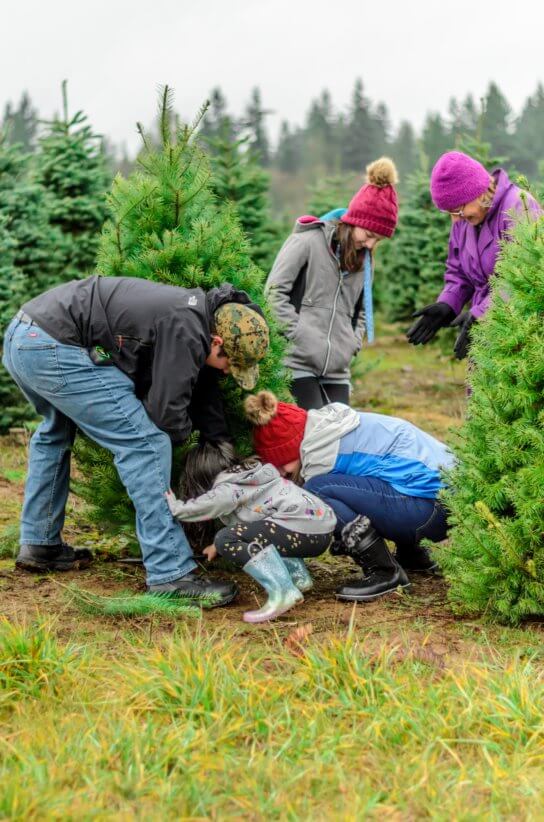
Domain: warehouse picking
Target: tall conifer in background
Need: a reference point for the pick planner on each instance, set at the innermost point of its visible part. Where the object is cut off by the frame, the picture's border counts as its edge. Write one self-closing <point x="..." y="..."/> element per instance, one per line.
<point x="166" y="225"/>
<point x="332" y="192"/>
<point x="528" y="144"/>
<point x="494" y="561"/>
<point x="238" y="178"/>
<point x="20" y="124"/>
<point x="410" y="267"/>
<point x="72" y="168"/>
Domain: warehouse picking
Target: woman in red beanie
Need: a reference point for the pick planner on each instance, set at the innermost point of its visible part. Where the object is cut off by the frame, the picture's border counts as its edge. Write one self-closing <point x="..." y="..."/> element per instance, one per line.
<point x="381" y="476"/>
<point x="481" y="206"/>
<point x="320" y="287"/>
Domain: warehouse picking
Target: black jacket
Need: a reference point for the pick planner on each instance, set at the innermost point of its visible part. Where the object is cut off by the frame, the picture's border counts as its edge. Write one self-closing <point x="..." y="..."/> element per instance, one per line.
<point x="159" y="335"/>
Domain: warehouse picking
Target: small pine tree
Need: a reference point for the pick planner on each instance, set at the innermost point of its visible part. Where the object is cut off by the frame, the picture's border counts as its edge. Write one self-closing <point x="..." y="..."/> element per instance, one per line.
<point x="410" y="267"/>
<point x="167" y="226"/>
<point x="238" y="178"/>
<point x="72" y="168"/>
<point x="29" y="257"/>
<point x="495" y="560"/>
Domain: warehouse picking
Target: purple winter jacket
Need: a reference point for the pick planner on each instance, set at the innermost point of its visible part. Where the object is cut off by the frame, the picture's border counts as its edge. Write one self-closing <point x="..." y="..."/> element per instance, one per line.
<point x="473" y="251"/>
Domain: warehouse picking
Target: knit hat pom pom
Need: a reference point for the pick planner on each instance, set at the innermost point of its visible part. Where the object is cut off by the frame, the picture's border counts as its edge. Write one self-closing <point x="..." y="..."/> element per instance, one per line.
<point x="382" y="172"/>
<point x="261" y="408"/>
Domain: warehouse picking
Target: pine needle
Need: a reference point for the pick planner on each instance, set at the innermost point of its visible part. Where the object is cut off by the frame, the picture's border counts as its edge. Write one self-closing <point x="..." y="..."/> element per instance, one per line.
<point x="135" y="605"/>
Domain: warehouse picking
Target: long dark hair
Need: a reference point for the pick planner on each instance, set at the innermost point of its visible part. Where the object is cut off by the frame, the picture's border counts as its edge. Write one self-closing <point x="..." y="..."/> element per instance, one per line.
<point x="351" y="258"/>
<point x="201" y="466"/>
<point x="204" y="462"/>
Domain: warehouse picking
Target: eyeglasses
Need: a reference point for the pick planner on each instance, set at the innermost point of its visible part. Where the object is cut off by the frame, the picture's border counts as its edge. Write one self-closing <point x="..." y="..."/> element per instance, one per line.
<point x="486" y="201"/>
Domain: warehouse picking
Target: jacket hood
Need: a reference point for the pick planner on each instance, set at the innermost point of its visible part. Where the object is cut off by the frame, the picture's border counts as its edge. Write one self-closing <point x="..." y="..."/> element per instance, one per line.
<point x="227" y="293"/>
<point x="324" y="429"/>
<point x="309" y="223"/>
<point x="260" y="474"/>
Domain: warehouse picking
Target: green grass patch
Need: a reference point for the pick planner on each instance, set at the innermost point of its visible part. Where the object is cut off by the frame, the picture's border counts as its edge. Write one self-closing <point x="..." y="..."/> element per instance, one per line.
<point x="212" y="725"/>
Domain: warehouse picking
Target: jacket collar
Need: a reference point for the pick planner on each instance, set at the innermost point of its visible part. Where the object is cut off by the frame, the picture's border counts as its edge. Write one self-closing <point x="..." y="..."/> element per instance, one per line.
<point x="476" y="242"/>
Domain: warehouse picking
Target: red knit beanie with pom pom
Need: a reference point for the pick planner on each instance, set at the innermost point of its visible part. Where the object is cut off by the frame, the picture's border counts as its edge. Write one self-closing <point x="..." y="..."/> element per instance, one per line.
<point x="279" y="428"/>
<point x="375" y="206"/>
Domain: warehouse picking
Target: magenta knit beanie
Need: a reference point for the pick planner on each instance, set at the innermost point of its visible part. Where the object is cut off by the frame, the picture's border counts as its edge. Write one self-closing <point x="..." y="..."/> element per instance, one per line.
<point x="456" y="180"/>
<point x="375" y="205"/>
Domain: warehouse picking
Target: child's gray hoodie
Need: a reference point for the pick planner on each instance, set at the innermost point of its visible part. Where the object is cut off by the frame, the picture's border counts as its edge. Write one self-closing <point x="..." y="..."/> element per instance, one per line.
<point x="258" y="493"/>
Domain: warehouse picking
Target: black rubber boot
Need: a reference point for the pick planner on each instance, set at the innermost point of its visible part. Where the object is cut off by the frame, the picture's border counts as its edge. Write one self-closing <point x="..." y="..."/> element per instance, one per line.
<point x="382" y="574"/>
<point x="198" y="587"/>
<point x="417" y="559"/>
<point x="40" y="559"/>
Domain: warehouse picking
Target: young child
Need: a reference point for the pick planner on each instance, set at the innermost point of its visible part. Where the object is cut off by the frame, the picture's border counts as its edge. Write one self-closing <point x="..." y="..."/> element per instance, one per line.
<point x="381" y="476"/>
<point x="270" y="522"/>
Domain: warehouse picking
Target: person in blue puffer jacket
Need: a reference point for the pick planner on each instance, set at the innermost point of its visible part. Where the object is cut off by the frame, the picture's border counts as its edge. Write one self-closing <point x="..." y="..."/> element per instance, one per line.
<point x="381" y="475"/>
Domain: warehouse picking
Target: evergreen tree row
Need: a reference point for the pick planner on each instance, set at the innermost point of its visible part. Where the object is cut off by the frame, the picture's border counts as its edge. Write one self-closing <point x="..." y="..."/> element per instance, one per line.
<point x="52" y="207"/>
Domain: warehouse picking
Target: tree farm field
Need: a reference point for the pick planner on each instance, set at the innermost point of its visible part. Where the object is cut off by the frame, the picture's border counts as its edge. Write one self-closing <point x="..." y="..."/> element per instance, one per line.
<point x="399" y="709"/>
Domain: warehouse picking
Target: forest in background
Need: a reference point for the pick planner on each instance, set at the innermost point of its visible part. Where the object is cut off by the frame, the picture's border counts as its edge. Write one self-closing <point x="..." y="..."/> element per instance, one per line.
<point x="332" y="146"/>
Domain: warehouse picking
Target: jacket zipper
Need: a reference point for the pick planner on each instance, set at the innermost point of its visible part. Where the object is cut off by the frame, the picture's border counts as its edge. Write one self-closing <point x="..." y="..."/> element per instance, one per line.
<point x="333" y="315"/>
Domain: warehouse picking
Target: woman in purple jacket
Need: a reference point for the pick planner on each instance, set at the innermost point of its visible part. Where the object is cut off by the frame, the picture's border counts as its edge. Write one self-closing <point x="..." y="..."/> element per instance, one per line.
<point x="482" y="208"/>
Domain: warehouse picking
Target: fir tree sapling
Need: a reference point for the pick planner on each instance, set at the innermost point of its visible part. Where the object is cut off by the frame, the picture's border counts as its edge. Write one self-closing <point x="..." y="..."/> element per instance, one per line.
<point x="72" y="168"/>
<point x="29" y="258"/>
<point x="166" y="225"/>
<point x="494" y="561"/>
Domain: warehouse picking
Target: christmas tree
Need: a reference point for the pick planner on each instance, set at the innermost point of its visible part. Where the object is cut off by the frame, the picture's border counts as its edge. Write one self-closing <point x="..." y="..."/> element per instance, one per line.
<point x="410" y="267"/>
<point x="238" y="178"/>
<point x="166" y="225"/>
<point x="332" y="192"/>
<point x="495" y="560"/>
<point x="29" y="257"/>
<point x="72" y="168"/>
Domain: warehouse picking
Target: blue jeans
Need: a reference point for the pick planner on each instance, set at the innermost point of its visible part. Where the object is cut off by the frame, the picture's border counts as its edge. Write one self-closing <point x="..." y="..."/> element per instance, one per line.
<point x="69" y="390"/>
<point x="402" y="519"/>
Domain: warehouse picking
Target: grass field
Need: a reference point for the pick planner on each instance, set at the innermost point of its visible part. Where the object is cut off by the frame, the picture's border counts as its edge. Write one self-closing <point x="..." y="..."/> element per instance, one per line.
<point x="399" y="709"/>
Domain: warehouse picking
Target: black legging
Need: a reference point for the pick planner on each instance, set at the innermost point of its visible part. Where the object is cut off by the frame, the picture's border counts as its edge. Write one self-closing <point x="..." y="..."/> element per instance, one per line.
<point x="310" y="393"/>
<point x="241" y="542"/>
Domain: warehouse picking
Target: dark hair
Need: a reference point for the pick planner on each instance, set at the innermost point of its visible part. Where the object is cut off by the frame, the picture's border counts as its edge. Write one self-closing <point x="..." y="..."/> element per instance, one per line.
<point x="351" y="258"/>
<point x="204" y="462"/>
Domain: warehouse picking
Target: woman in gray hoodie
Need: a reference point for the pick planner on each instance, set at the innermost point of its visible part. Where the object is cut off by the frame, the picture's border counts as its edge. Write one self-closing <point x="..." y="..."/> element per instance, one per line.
<point x="320" y="287"/>
<point x="270" y="522"/>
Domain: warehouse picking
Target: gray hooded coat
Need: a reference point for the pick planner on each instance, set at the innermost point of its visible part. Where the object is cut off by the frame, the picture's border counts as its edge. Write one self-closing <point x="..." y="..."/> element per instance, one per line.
<point x="325" y="323"/>
<point x="255" y="494"/>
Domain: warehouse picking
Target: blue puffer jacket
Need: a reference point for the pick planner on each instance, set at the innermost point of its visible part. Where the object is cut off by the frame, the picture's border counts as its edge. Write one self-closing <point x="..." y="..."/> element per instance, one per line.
<point x="339" y="440"/>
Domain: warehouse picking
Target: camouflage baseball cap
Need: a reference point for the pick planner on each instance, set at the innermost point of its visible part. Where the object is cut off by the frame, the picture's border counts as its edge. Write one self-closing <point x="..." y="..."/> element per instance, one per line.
<point x="245" y="340"/>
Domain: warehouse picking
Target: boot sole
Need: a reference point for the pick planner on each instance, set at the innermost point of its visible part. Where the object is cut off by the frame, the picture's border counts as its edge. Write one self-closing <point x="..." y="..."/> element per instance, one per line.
<point x="372" y="597"/>
<point x="51" y="567"/>
<point x="426" y="572"/>
<point x="261" y="619"/>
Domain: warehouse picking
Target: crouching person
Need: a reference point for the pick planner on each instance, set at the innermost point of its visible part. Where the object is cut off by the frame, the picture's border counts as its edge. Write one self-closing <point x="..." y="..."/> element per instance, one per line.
<point x="271" y="523"/>
<point x="134" y="365"/>
<point x="381" y="475"/>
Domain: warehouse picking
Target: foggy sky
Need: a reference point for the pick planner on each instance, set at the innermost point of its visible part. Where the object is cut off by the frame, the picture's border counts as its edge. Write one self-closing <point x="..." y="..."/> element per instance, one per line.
<point x="412" y="55"/>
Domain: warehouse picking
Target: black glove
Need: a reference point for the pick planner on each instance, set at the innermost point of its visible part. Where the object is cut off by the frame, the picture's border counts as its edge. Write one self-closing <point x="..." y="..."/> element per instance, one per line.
<point x="464" y="321"/>
<point x="433" y="317"/>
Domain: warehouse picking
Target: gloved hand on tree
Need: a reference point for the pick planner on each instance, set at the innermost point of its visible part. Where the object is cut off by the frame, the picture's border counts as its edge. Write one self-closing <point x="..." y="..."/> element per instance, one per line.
<point x="432" y="317"/>
<point x="464" y="321"/>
